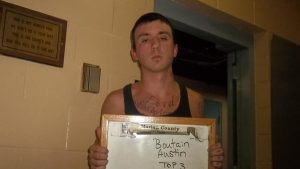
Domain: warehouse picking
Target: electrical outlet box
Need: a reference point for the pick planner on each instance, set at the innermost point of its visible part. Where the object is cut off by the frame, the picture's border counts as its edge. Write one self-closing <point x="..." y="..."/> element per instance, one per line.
<point x="91" y="78"/>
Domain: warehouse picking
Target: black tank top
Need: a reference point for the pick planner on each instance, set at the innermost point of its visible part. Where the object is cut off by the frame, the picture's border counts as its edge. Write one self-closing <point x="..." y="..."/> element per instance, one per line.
<point x="183" y="110"/>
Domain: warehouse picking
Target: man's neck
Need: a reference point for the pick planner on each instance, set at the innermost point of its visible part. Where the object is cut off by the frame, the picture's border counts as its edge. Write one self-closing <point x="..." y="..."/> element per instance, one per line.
<point x="156" y="95"/>
<point x="158" y="83"/>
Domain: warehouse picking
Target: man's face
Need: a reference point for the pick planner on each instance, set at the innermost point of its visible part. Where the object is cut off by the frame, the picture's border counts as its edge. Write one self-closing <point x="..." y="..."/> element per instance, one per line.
<point x="155" y="49"/>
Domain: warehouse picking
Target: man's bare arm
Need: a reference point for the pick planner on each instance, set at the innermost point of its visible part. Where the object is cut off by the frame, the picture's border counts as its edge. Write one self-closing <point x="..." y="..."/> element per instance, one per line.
<point x="113" y="103"/>
<point x="196" y="103"/>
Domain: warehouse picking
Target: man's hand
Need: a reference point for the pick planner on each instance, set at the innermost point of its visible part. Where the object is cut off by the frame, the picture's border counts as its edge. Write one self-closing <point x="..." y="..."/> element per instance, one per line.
<point x="216" y="155"/>
<point x="97" y="155"/>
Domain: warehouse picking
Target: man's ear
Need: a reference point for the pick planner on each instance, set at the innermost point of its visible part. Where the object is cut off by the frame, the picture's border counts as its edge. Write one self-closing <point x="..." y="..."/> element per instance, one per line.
<point x="133" y="55"/>
<point x="175" y="50"/>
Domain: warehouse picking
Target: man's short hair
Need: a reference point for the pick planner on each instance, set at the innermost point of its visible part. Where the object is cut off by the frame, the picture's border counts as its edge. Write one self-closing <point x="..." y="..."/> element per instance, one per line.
<point x="146" y="18"/>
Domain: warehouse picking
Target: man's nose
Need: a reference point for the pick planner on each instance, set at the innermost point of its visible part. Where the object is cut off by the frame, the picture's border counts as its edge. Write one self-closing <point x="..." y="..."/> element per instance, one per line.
<point x="155" y="42"/>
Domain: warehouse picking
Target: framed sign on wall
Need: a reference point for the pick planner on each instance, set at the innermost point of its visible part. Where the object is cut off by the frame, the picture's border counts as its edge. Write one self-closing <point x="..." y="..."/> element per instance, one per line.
<point x="137" y="142"/>
<point x="32" y="35"/>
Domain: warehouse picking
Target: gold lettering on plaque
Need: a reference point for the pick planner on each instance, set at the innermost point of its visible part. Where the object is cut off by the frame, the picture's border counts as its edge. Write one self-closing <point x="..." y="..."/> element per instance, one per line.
<point x="31" y="35"/>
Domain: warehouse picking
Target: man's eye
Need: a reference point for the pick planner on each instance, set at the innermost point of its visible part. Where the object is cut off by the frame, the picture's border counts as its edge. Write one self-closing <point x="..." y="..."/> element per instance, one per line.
<point x="164" y="38"/>
<point x="144" y="40"/>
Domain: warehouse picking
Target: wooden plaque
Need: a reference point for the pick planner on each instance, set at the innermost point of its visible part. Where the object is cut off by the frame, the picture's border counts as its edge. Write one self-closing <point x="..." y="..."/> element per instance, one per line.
<point x="137" y="142"/>
<point x="32" y="35"/>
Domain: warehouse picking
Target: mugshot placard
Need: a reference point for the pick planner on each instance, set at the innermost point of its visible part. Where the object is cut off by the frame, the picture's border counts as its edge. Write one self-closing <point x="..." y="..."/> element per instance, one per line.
<point x="157" y="142"/>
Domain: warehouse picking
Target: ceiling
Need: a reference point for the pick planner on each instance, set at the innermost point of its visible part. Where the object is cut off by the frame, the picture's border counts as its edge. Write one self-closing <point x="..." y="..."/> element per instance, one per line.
<point x="200" y="60"/>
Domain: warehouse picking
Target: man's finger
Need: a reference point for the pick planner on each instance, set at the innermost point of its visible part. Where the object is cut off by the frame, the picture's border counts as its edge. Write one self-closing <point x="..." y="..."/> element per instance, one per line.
<point x="216" y="152"/>
<point x="98" y="135"/>
<point x="218" y="145"/>
<point x="98" y="163"/>
<point x="217" y="164"/>
<point x="217" y="158"/>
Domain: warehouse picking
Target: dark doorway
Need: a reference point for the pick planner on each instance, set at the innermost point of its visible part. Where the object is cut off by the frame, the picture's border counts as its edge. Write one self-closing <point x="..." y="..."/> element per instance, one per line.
<point x="200" y="60"/>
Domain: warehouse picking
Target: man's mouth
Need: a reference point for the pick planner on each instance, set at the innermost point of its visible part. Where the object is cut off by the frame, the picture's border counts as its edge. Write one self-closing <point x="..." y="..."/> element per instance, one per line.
<point x="156" y="57"/>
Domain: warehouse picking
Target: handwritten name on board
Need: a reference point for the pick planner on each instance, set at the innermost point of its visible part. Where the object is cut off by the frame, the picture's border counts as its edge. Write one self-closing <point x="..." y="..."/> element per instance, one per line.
<point x="171" y="150"/>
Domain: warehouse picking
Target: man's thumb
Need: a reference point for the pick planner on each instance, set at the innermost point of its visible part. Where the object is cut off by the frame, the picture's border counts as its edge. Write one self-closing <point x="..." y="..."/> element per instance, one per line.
<point x="98" y="135"/>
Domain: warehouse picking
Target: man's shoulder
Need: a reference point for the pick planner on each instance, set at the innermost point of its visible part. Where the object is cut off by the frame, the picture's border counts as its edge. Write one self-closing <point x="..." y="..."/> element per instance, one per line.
<point x="196" y="102"/>
<point x="113" y="103"/>
<point x="194" y="94"/>
<point x="116" y="94"/>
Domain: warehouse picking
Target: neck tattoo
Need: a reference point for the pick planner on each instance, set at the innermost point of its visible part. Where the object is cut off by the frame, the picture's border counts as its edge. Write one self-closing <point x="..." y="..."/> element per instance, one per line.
<point x="153" y="106"/>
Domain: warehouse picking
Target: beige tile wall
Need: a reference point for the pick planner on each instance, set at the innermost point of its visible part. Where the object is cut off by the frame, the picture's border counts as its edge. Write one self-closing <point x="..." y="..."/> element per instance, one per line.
<point x="262" y="62"/>
<point x="280" y="16"/>
<point x="45" y="120"/>
<point x="241" y="9"/>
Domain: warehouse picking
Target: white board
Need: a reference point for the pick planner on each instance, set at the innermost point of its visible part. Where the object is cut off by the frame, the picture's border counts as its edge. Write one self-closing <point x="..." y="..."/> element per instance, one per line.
<point x="144" y="145"/>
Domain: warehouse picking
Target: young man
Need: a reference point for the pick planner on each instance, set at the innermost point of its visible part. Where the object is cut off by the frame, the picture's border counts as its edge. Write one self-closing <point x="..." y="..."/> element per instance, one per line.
<point x="157" y="94"/>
